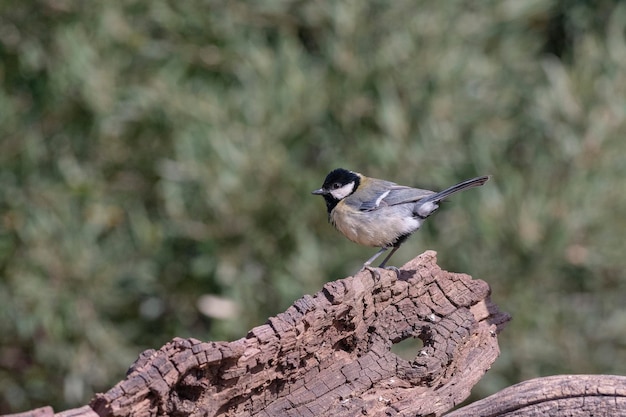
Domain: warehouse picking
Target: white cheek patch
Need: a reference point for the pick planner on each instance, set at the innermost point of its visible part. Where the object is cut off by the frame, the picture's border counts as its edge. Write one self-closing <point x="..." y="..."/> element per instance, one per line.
<point x="343" y="192"/>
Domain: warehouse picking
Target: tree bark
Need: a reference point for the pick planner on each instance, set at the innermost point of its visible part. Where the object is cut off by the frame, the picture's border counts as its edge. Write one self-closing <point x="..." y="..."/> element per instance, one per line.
<point x="330" y="354"/>
<point x="561" y="395"/>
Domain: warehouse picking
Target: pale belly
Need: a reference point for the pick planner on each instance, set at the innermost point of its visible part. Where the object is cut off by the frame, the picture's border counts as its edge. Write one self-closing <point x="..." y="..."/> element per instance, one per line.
<point x="375" y="228"/>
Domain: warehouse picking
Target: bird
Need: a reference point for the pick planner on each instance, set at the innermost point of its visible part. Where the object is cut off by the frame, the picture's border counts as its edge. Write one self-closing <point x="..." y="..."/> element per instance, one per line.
<point x="379" y="213"/>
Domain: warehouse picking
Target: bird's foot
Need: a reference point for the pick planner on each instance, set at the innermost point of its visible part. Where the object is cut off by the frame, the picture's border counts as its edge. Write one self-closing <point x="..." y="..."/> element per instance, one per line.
<point x="375" y="271"/>
<point x="394" y="269"/>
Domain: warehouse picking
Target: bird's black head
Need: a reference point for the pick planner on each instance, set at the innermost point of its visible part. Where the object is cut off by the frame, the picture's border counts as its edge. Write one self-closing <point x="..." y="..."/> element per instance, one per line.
<point x="339" y="184"/>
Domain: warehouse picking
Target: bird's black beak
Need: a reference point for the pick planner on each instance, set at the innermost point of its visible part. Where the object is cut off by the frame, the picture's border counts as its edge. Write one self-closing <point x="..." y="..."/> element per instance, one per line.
<point x="319" y="192"/>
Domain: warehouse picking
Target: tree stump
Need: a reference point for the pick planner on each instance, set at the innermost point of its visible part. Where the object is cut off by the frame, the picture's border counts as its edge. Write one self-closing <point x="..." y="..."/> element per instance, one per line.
<point x="330" y="354"/>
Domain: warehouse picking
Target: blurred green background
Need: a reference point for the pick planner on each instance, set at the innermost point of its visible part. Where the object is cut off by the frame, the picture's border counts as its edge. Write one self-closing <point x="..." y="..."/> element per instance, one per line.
<point x="157" y="158"/>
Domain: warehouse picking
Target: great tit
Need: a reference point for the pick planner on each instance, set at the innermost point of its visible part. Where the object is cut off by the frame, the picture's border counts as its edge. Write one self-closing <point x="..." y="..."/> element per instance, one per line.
<point x="379" y="213"/>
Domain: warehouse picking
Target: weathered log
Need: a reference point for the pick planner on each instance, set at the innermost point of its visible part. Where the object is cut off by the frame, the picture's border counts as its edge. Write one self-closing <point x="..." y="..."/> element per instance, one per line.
<point x="561" y="395"/>
<point x="38" y="412"/>
<point x="85" y="411"/>
<point x="330" y="354"/>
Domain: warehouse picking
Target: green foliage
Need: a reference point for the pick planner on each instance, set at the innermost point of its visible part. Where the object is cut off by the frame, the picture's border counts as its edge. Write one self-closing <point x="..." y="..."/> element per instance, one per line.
<point x="154" y="152"/>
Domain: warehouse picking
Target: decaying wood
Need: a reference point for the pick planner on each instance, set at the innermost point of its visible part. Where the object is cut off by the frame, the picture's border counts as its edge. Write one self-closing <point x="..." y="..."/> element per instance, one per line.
<point x="39" y="412"/>
<point x="562" y="395"/>
<point x="85" y="411"/>
<point x="330" y="354"/>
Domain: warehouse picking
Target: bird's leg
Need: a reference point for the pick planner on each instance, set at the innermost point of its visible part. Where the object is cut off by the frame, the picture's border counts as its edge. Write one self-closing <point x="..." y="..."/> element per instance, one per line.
<point x="376" y="255"/>
<point x="382" y="265"/>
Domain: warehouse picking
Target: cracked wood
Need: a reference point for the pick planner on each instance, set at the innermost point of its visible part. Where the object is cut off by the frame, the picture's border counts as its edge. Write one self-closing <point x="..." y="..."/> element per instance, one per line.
<point x="330" y="354"/>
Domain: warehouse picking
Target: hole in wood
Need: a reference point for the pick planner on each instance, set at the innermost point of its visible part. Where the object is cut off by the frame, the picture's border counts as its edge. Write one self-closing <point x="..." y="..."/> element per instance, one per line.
<point x="346" y="344"/>
<point x="408" y="349"/>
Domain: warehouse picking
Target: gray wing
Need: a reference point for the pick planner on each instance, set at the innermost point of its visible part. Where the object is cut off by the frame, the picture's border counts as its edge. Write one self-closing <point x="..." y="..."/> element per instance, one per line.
<point x="393" y="195"/>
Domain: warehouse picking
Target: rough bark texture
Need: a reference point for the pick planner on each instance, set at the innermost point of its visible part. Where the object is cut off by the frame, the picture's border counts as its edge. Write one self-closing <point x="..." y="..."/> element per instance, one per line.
<point x="85" y="411"/>
<point x="562" y="395"/>
<point x="330" y="354"/>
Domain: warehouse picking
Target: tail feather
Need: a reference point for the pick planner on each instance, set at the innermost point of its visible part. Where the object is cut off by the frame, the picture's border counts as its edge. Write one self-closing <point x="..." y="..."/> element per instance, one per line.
<point x="474" y="182"/>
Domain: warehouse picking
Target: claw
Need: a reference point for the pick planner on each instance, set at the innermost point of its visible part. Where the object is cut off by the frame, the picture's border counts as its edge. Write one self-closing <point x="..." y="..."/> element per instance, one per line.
<point x="394" y="269"/>
<point x="376" y="271"/>
<point x="373" y="271"/>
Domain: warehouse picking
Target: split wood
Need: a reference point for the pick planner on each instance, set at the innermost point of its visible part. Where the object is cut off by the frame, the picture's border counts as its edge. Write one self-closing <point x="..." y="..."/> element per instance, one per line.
<point x="330" y="355"/>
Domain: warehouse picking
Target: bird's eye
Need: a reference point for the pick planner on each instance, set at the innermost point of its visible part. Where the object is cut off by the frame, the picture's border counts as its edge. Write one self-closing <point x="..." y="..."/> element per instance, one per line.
<point x="336" y="186"/>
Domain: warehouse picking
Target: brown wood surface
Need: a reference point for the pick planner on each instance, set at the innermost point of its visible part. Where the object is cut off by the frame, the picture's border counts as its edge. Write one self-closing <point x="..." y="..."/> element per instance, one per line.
<point x="561" y="395"/>
<point x="330" y="354"/>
